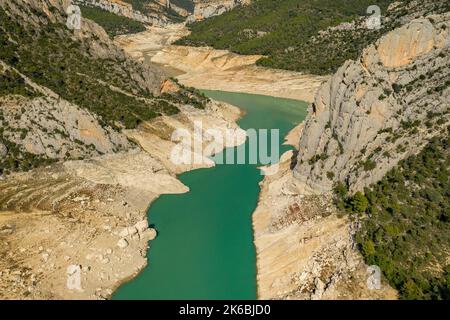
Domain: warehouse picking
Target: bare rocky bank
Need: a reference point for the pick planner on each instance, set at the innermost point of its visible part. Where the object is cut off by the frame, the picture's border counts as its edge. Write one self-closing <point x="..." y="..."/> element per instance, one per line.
<point x="304" y="248"/>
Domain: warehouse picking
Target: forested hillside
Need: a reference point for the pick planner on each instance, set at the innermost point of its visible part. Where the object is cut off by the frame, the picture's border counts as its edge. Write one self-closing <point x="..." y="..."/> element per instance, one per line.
<point x="66" y="94"/>
<point x="73" y="74"/>
<point x="113" y="24"/>
<point x="293" y="34"/>
<point x="405" y="223"/>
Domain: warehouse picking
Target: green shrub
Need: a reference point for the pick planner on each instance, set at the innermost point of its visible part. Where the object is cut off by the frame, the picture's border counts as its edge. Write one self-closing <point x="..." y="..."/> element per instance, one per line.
<point x="359" y="203"/>
<point x="369" y="165"/>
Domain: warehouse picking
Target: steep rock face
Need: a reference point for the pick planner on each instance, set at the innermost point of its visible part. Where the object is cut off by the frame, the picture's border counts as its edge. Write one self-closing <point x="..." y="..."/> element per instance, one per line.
<point x="304" y="249"/>
<point x="376" y="111"/>
<point x="209" y="8"/>
<point x="55" y="128"/>
<point x="184" y="12"/>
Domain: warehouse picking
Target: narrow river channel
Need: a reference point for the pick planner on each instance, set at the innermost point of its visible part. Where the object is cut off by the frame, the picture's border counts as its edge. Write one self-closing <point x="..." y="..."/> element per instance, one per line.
<point x="204" y="248"/>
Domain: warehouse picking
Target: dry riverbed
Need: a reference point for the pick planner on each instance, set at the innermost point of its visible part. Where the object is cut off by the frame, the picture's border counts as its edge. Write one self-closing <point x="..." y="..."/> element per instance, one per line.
<point x="207" y="68"/>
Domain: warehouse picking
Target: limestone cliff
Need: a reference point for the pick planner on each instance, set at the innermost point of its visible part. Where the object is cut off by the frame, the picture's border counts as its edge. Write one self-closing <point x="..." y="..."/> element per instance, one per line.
<point x="153" y="15"/>
<point x="380" y="109"/>
<point x="85" y="145"/>
<point x="60" y="110"/>
<point x="208" y="8"/>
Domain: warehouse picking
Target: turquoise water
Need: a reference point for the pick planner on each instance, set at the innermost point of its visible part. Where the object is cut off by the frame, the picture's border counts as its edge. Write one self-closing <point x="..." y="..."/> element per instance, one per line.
<point x="204" y="248"/>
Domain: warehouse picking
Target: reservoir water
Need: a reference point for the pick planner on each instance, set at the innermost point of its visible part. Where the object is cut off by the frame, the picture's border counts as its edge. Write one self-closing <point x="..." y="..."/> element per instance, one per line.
<point x="204" y="248"/>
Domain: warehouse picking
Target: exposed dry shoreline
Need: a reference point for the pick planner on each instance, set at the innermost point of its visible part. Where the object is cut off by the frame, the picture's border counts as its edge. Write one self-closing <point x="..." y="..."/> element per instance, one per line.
<point x="92" y="213"/>
<point x="207" y="68"/>
<point x="98" y="204"/>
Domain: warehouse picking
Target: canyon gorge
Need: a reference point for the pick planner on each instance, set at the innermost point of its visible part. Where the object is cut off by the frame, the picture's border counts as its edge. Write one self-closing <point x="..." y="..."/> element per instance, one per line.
<point x="86" y="142"/>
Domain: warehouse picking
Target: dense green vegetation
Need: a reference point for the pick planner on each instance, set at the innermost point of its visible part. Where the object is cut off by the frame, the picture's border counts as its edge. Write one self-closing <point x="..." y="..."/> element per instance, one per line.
<point x="185" y="4"/>
<point x="142" y="5"/>
<point x="286" y="32"/>
<point x="139" y="5"/>
<point x="405" y="222"/>
<point x="113" y="24"/>
<point x="187" y="95"/>
<point x="283" y="30"/>
<point x="52" y="58"/>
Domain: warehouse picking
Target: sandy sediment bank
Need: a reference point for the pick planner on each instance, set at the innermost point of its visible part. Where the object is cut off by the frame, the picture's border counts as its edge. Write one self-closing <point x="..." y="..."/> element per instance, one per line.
<point x="208" y="68"/>
<point x="90" y="215"/>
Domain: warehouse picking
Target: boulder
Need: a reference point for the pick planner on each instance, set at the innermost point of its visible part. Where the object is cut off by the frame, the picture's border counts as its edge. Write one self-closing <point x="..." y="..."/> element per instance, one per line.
<point x="132" y="230"/>
<point x="128" y="231"/>
<point x="141" y="226"/>
<point x="45" y="256"/>
<point x="122" y="243"/>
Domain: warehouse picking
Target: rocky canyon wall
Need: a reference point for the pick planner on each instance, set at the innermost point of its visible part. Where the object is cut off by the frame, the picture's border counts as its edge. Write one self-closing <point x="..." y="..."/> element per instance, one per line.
<point x="209" y="8"/>
<point x="125" y="9"/>
<point x="380" y="109"/>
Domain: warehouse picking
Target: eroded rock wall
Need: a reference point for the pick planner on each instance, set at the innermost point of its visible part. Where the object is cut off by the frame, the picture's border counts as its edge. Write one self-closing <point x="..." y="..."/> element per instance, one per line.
<point x="380" y="109"/>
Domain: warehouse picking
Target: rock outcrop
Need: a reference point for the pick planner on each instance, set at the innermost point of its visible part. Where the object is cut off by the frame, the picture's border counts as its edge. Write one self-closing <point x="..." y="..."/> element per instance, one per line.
<point x="182" y="11"/>
<point x="208" y="8"/>
<point x="55" y="128"/>
<point x="379" y="110"/>
<point x="154" y="17"/>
